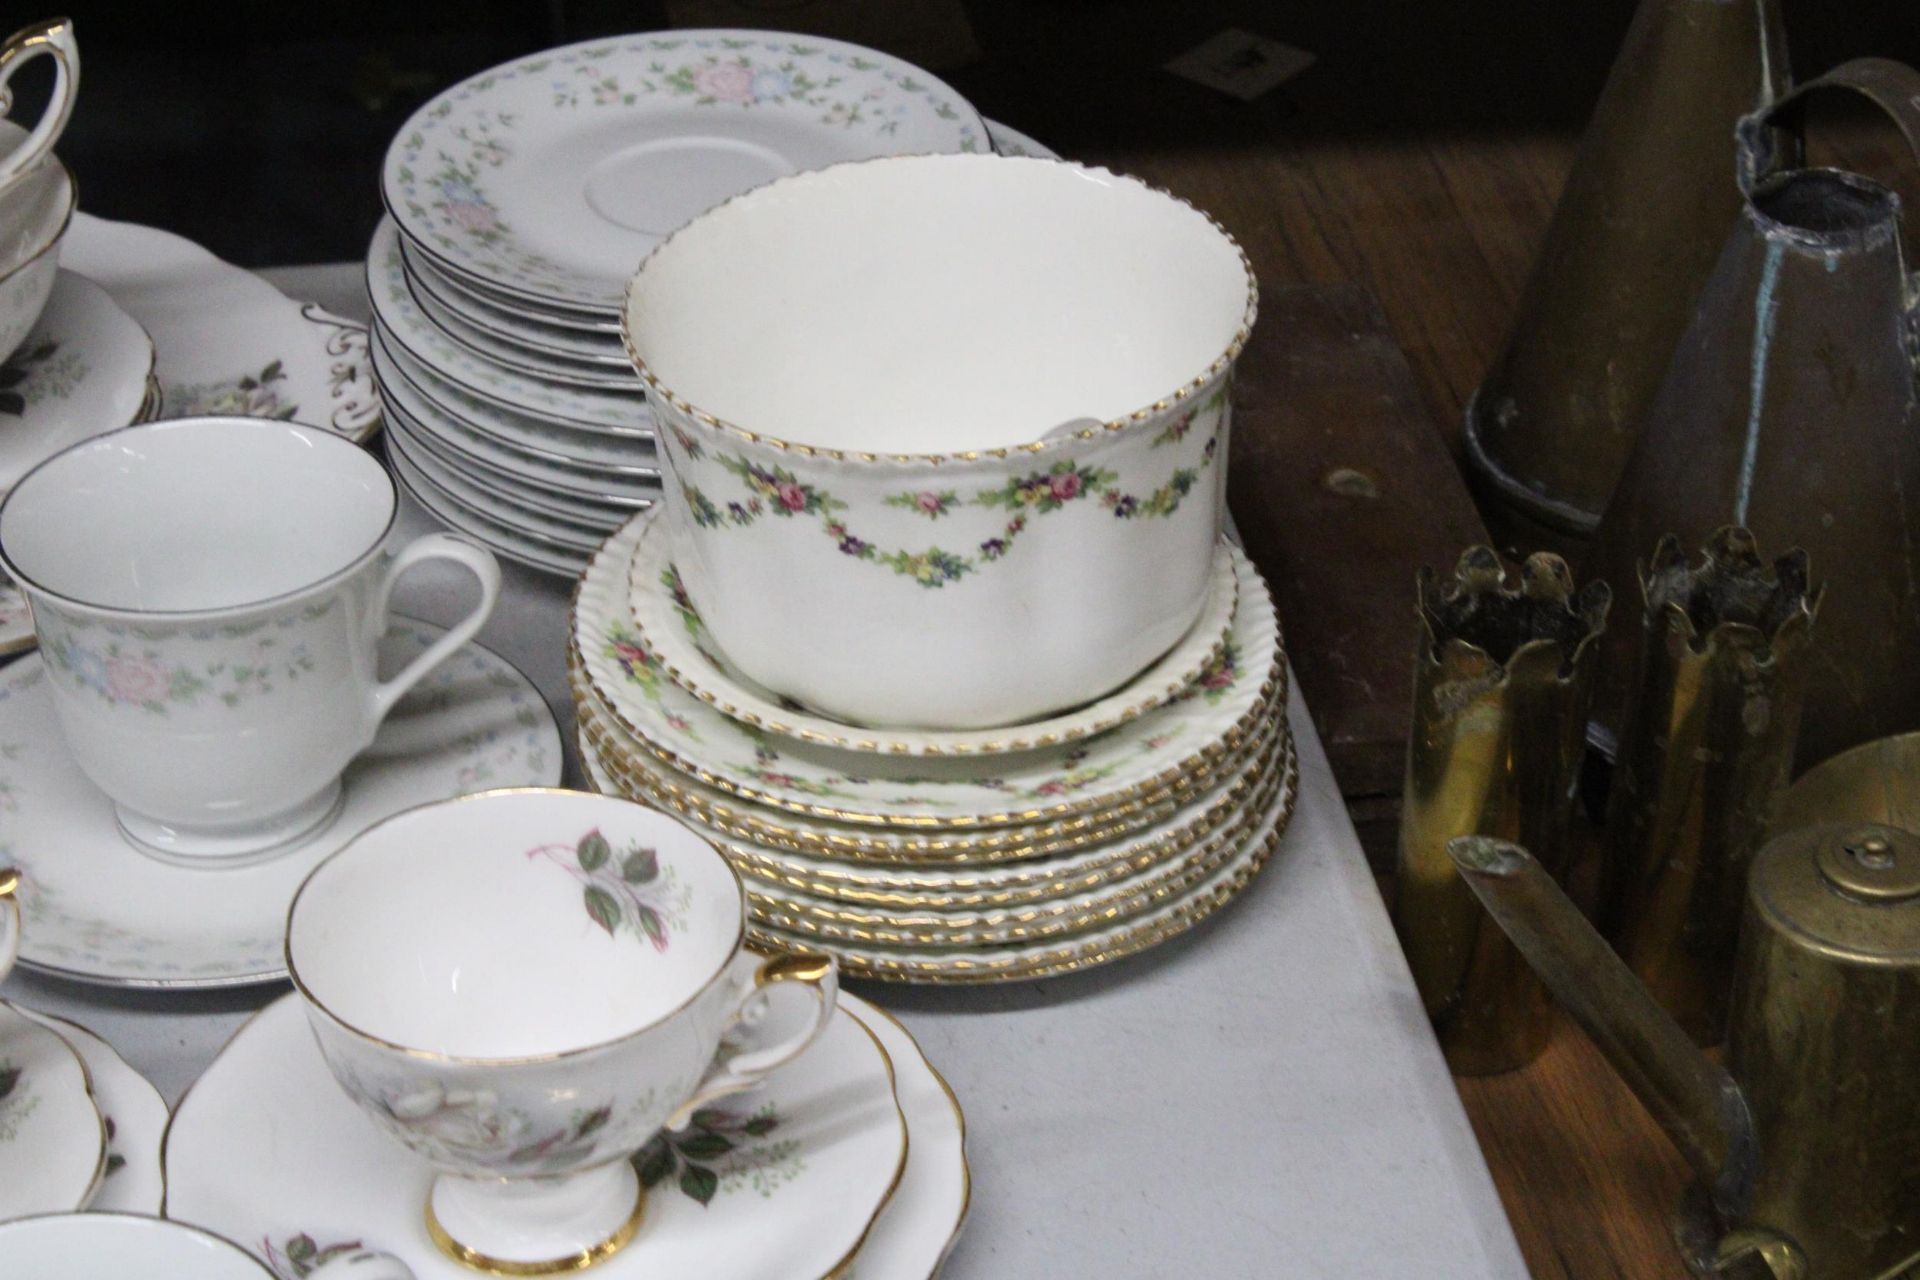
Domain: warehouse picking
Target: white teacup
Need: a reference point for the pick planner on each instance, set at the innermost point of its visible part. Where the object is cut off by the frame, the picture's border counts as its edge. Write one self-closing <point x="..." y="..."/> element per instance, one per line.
<point x="127" y="1246"/>
<point x="523" y="987"/>
<point x="35" y="211"/>
<point x="50" y="39"/>
<point x="209" y="594"/>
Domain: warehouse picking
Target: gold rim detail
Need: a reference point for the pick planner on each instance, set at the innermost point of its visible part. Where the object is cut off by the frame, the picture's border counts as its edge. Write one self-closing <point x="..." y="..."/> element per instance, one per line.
<point x="593" y="1256"/>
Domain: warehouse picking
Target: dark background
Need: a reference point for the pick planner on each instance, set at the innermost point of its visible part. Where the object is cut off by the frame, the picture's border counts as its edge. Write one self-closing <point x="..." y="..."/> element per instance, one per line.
<point x="258" y="128"/>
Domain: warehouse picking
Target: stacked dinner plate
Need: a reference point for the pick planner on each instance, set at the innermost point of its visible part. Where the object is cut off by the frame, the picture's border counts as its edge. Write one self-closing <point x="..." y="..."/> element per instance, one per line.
<point x="520" y="202"/>
<point x="939" y="856"/>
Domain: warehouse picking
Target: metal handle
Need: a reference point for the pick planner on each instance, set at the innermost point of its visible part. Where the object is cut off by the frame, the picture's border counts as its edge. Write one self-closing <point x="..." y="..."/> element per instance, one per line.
<point x="1891" y="86"/>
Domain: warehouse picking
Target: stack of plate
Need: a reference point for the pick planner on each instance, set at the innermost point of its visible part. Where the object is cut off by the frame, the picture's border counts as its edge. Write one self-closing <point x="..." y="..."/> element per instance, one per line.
<point x="947" y="857"/>
<point x="522" y="200"/>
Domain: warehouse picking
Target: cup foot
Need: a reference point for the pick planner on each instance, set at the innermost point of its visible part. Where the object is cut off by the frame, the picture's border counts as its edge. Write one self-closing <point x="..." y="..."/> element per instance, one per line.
<point x="536" y="1226"/>
<point x="222" y="847"/>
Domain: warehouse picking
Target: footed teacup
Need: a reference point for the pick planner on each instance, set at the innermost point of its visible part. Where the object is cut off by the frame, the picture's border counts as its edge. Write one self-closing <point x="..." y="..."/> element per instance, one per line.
<point x="523" y="987"/>
<point x="947" y="434"/>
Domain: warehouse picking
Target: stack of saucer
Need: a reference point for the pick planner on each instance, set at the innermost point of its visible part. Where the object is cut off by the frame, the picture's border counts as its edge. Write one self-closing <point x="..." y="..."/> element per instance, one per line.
<point x="520" y="202"/>
<point x="947" y="856"/>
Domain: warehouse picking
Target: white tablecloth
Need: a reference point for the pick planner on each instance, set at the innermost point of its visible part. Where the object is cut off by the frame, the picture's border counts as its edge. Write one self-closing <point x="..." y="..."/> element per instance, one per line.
<point x="1259" y="1098"/>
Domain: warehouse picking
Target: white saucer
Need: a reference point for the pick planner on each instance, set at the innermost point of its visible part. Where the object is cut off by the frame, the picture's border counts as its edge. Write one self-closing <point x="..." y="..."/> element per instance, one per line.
<point x="81" y="370"/>
<point x="228" y="341"/>
<point x="547" y="178"/>
<point x="784" y="1183"/>
<point x="135" y="1116"/>
<point x="537" y="334"/>
<point x="503" y="540"/>
<point x="53" y="1142"/>
<point x="548" y="350"/>
<point x="98" y="911"/>
<point x="567" y="370"/>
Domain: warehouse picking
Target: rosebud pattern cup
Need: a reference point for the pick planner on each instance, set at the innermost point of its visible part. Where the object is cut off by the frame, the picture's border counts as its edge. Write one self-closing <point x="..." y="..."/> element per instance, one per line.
<point x="209" y="595"/>
<point x="524" y="987"/>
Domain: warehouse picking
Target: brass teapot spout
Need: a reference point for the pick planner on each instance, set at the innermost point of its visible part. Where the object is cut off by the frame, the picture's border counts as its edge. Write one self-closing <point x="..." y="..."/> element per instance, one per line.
<point x="1803" y="1143"/>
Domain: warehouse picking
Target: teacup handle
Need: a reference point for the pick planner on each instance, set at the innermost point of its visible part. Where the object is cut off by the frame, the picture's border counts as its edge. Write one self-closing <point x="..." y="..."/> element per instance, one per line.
<point x="53" y="38"/>
<point x="434" y="546"/>
<point x="9" y="920"/>
<point x="361" y="1264"/>
<point x="733" y="1072"/>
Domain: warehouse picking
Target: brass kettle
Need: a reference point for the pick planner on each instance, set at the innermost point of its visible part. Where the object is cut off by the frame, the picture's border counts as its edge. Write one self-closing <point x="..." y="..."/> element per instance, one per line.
<point x="1805" y="1142"/>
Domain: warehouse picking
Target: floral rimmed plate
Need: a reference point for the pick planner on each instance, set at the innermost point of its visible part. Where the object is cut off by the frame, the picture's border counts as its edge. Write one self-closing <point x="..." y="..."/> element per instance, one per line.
<point x="785" y="1183"/>
<point x="640" y="776"/>
<point x="567" y="370"/>
<point x="548" y="178"/>
<point x="531" y="338"/>
<point x="457" y="489"/>
<point x="585" y="512"/>
<point x="1157" y="749"/>
<point x="228" y="341"/>
<point x="511" y="440"/>
<point x="473" y="298"/>
<point x="53" y="1141"/>
<point x="973" y="886"/>
<point x="966" y="966"/>
<point x="419" y="337"/>
<point x="135" y="1117"/>
<point x="830" y="923"/>
<point x="671" y="629"/>
<point x="97" y="911"/>
<point x="81" y="370"/>
<point x="501" y="539"/>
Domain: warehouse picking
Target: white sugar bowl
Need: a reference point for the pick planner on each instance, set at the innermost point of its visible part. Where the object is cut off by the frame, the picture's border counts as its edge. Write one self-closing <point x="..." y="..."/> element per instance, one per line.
<point x="947" y="435"/>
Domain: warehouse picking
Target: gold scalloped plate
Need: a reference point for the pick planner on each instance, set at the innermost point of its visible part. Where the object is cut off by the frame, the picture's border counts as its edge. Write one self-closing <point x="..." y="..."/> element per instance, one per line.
<point x="1139" y="758"/>
<point x="670" y="628"/>
<point x="643" y="778"/>
<point x="899" y="888"/>
<point x="830" y="924"/>
<point x="975" y="966"/>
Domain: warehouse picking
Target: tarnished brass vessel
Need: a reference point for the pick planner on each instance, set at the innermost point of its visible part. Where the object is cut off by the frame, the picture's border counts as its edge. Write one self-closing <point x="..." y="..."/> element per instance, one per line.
<point x="1633" y="238"/>
<point x="1804" y="1142"/>
<point x="1791" y="409"/>
<point x="1501" y="679"/>
<point x="1708" y="746"/>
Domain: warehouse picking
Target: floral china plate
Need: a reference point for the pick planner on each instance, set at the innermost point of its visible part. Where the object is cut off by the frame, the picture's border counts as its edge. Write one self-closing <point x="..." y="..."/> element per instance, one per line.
<point x="593" y="374"/>
<point x="504" y="540"/>
<point x="784" y="1183"/>
<point x="549" y="177"/>
<point x="1157" y="749"/>
<point x="970" y="886"/>
<point x="97" y="911"/>
<point x="670" y="627"/>
<point x="473" y="298"/>
<point x="53" y="1141"/>
<point x="135" y="1117"/>
<point x="456" y="488"/>
<point x="572" y="459"/>
<point x="410" y="330"/>
<point x="641" y="775"/>
<point x="1173" y="915"/>
<point x="81" y="370"/>
<point x="830" y="924"/>
<point x="588" y="513"/>
<point x="534" y="342"/>
<point x="228" y="341"/>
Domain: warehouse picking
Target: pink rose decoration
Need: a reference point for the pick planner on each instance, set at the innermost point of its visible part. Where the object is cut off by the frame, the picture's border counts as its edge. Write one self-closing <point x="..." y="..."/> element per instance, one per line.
<point x="136" y="680"/>
<point x="473" y="217"/>
<point x="728" y="81"/>
<point x="928" y="502"/>
<point x="791" y="495"/>
<point x="1067" y="487"/>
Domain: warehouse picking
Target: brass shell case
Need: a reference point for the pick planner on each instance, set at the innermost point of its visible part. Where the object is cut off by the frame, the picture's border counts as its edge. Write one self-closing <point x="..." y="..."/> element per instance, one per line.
<point x="1501" y="686"/>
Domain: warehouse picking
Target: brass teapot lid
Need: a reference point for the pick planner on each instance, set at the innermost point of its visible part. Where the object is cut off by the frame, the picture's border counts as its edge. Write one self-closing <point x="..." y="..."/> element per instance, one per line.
<point x="1848" y="889"/>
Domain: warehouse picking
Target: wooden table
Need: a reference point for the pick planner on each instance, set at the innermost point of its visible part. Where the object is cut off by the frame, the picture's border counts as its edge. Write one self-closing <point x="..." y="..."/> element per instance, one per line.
<point x="1397" y="190"/>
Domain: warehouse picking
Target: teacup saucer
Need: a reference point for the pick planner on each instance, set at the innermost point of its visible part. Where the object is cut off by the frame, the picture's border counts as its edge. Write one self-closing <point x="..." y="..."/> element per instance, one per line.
<point x="82" y="370"/>
<point x="781" y="1184"/>
<point x="53" y="1142"/>
<point x="98" y="911"/>
<point x="671" y="628"/>
<point x="135" y="1116"/>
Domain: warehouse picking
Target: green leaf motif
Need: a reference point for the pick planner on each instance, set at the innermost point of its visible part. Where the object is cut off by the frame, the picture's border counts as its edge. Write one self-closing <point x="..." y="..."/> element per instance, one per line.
<point x="593" y="850"/>
<point x="706" y="1146"/>
<point x="603" y="908"/>
<point x="699" y="1183"/>
<point x="656" y="927"/>
<point x="654" y="1161"/>
<point x="762" y="1125"/>
<point x="9" y="1078"/>
<point x="301" y="1249"/>
<point x="641" y="866"/>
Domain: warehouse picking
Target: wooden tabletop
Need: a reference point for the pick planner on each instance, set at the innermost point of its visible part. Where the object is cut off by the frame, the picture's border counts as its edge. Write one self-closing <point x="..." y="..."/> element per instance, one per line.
<point x="1391" y="199"/>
